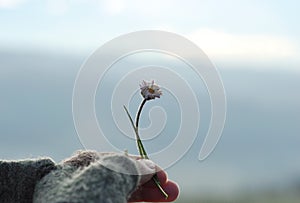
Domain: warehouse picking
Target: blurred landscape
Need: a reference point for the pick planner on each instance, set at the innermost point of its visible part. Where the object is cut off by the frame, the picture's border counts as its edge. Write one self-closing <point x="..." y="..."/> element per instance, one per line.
<point x="256" y="160"/>
<point x="255" y="46"/>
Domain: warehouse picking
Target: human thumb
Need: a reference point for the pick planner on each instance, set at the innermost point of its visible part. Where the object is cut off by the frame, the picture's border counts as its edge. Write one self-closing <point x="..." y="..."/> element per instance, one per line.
<point x="146" y="170"/>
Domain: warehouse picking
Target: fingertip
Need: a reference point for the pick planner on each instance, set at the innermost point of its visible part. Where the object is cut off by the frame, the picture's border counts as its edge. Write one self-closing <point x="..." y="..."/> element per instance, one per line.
<point x="155" y="195"/>
<point x="162" y="176"/>
<point x="172" y="189"/>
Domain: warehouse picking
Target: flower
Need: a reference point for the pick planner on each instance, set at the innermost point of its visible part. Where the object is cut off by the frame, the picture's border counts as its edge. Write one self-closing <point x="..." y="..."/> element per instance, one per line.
<point x="149" y="90"/>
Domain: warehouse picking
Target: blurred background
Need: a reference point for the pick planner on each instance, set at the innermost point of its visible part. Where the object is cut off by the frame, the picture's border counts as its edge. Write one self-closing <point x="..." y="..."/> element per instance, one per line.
<point x="255" y="45"/>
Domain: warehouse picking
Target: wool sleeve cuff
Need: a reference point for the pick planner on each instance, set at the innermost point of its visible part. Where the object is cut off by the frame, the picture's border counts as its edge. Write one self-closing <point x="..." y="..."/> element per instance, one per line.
<point x="109" y="178"/>
<point x="18" y="178"/>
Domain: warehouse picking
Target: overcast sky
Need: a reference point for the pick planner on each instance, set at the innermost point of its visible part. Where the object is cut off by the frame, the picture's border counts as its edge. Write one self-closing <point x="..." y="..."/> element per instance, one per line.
<point x="229" y="30"/>
<point x="261" y="134"/>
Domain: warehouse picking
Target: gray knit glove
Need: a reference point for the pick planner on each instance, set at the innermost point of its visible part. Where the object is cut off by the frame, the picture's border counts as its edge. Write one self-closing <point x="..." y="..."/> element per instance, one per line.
<point x="18" y="178"/>
<point x="94" y="177"/>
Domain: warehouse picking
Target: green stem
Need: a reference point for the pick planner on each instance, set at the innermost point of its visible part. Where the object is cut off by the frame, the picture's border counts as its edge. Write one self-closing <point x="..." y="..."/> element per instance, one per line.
<point x="157" y="183"/>
<point x="139" y="113"/>
<point x="141" y="148"/>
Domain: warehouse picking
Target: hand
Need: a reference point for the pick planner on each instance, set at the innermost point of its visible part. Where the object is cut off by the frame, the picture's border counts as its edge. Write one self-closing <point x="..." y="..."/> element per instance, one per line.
<point x="148" y="191"/>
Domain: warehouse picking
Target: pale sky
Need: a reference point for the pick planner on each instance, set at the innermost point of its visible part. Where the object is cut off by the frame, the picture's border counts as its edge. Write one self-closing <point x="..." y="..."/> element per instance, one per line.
<point x="263" y="107"/>
<point x="227" y="30"/>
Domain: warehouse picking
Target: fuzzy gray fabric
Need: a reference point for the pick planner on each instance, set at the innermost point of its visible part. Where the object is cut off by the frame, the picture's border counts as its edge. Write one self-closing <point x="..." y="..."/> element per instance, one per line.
<point x="81" y="178"/>
<point x="18" y="178"/>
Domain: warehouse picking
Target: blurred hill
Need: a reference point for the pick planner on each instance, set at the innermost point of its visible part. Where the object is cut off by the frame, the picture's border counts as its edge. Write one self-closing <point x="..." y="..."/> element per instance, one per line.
<point x="256" y="160"/>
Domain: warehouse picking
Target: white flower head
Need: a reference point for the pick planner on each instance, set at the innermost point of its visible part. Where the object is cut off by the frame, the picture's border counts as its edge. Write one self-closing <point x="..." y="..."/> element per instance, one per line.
<point x="149" y="90"/>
